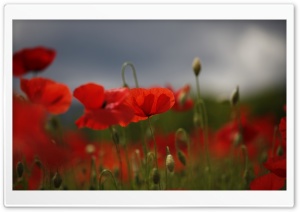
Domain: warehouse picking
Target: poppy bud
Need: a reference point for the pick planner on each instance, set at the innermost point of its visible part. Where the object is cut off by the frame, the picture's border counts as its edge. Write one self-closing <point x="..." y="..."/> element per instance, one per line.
<point x="237" y="139"/>
<point x="279" y="151"/>
<point x="150" y="157"/>
<point x="181" y="157"/>
<point x="235" y="96"/>
<point x="182" y="97"/>
<point x="20" y="169"/>
<point x="155" y="176"/>
<point x="57" y="180"/>
<point x="196" y="66"/>
<point x="38" y="163"/>
<point x="170" y="164"/>
<point x="115" y="136"/>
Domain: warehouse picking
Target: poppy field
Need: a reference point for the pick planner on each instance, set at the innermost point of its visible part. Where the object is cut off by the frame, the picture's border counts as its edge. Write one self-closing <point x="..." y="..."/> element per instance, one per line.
<point x="141" y="138"/>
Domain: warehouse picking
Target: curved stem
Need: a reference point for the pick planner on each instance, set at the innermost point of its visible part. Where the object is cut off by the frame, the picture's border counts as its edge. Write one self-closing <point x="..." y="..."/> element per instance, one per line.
<point x="155" y="148"/>
<point x="111" y="175"/>
<point x="133" y="71"/>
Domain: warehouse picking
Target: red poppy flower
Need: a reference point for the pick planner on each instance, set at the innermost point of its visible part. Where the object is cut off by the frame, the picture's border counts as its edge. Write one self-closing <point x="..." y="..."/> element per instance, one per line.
<point x="55" y="97"/>
<point x="30" y="138"/>
<point x="267" y="182"/>
<point x="148" y="102"/>
<point x="182" y="100"/>
<point x="34" y="59"/>
<point x="102" y="108"/>
<point x="277" y="165"/>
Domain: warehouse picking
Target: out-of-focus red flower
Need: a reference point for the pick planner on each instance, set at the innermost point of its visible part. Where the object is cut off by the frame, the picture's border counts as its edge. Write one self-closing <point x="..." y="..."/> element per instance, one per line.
<point x="32" y="59"/>
<point x="282" y="129"/>
<point x="267" y="182"/>
<point x="182" y="100"/>
<point x="277" y="165"/>
<point x="102" y="108"/>
<point x="256" y="135"/>
<point x="29" y="137"/>
<point x="148" y="102"/>
<point x="55" y="97"/>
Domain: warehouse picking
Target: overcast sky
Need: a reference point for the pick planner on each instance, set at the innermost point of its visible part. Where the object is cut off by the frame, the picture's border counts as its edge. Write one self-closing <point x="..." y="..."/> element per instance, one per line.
<point x="251" y="54"/>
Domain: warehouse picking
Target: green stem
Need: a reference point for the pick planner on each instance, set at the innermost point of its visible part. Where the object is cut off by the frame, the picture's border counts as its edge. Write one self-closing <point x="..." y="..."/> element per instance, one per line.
<point x="198" y="88"/>
<point x="111" y="175"/>
<point x="155" y="148"/>
<point x="119" y="155"/>
<point x="133" y="71"/>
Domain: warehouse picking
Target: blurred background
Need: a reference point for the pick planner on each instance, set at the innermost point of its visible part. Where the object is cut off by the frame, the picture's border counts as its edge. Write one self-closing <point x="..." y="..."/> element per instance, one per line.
<point x="248" y="53"/>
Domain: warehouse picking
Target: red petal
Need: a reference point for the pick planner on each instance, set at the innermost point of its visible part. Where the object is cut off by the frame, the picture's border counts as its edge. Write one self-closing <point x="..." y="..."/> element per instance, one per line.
<point x="34" y="88"/>
<point x="115" y="97"/>
<point x="38" y="58"/>
<point x="57" y="98"/>
<point x="104" y="118"/>
<point x="267" y="182"/>
<point x="277" y="165"/>
<point x="90" y="95"/>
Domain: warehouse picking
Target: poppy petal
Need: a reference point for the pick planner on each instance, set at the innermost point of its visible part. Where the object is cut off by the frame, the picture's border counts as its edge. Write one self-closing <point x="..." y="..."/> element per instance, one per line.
<point x="267" y="182"/>
<point x="57" y="98"/>
<point x="90" y="95"/>
<point x="277" y="165"/>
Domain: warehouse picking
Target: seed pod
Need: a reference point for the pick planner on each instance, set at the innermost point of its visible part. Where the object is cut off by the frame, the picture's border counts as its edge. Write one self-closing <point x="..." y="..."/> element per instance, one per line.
<point x="20" y="169"/>
<point x="181" y="157"/>
<point x="57" y="180"/>
<point x="155" y="176"/>
<point x="197" y="66"/>
<point x="235" y="96"/>
<point x="38" y="163"/>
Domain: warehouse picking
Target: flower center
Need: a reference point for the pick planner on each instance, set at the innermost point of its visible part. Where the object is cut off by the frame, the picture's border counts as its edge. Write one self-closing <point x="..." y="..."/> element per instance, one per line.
<point x="103" y="104"/>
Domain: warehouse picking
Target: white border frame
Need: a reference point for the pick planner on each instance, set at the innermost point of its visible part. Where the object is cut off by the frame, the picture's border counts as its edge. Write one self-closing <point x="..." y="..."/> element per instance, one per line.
<point x="147" y="198"/>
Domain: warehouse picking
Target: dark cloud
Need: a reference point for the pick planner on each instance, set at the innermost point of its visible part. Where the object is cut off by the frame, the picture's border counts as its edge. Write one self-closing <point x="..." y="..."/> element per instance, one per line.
<point x="248" y="53"/>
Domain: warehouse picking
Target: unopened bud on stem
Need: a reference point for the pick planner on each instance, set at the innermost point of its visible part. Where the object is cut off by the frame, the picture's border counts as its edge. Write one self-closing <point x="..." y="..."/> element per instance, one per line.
<point x="197" y="66"/>
<point x="170" y="164"/>
<point x="235" y="96"/>
<point x="57" y="180"/>
<point x="155" y="176"/>
<point x="181" y="157"/>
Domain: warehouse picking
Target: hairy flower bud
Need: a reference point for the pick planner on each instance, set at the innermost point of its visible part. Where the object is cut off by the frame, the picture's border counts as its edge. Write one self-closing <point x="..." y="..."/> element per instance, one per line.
<point x="57" y="180"/>
<point x="181" y="157"/>
<point x="155" y="176"/>
<point x="20" y="169"/>
<point x="237" y="139"/>
<point x="235" y="96"/>
<point x="170" y="164"/>
<point x="197" y="66"/>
